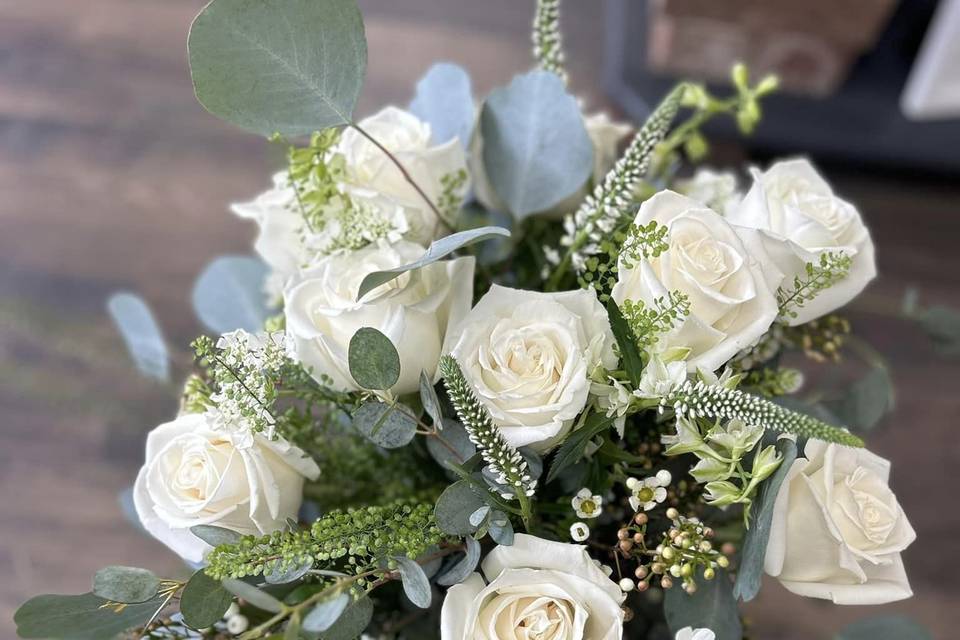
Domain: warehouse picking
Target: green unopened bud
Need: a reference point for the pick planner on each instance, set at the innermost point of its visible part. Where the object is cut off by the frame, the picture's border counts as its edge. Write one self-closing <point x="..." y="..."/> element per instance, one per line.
<point x="741" y="77"/>
<point x="766" y="86"/>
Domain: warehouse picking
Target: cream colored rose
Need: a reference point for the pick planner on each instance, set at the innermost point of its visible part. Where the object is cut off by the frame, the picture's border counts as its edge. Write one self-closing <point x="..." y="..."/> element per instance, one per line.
<point x="838" y="529"/>
<point x="414" y="310"/>
<point x="716" y="189"/>
<point x="534" y="590"/>
<point x="800" y="218"/>
<point x="717" y="266"/>
<point x="605" y="135"/>
<point x="409" y="140"/>
<point x="195" y="474"/>
<point x="528" y="356"/>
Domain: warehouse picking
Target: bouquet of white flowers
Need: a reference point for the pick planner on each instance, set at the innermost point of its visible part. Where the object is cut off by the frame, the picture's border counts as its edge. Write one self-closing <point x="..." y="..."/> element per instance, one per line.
<point x="489" y="378"/>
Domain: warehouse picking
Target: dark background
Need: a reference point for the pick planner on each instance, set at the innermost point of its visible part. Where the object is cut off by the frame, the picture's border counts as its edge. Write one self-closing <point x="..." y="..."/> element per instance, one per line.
<point x="112" y="176"/>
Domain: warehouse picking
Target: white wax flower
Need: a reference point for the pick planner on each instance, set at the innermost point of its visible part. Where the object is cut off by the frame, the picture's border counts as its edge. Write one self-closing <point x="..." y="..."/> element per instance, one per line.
<point x="534" y="589"/>
<point x="689" y="633"/>
<point x="195" y="475"/>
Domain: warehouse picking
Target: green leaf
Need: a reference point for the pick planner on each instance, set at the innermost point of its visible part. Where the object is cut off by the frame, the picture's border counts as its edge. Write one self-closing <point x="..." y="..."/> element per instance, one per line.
<point x="501" y="529"/>
<point x="279" y="572"/>
<point x="215" y="536"/>
<point x="279" y="66"/>
<point x="429" y="399"/>
<point x="82" y="617"/>
<point x="322" y="616"/>
<point x="464" y="567"/>
<point x="712" y="606"/>
<point x="444" y="99"/>
<point x="125" y="584"/>
<point x="576" y="443"/>
<point x="374" y="361"/>
<point x="141" y="334"/>
<point x="203" y="601"/>
<point x="890" y="627"/>
<point x="536" y="150"/>
<point x="228" y="295"/>
<point x="454" y="507"/>
<point x="629" y="352"/>
<point x="456" y="447"/>
<point x="415" y="582"/>
<point x="384" y="425"/>
<point x="352" y="621"/>
<point x="437" y="250"/>
<point x="750" y="572"/>
<point x="256" y="597"/>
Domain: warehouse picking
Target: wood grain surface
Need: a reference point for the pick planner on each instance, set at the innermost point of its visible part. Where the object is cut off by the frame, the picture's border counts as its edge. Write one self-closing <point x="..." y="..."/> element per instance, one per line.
<point x="113" y="177"/>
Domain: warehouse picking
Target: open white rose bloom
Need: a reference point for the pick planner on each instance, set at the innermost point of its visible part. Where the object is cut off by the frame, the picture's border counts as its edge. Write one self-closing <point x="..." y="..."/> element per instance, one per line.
<point x="481" y="330"/>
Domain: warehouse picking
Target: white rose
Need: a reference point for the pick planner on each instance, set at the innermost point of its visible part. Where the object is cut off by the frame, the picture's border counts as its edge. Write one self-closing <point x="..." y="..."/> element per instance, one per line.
<point x="605" y="136"/>
<point x="409" y="140"/>
<point x="195" y="474"/>
<point x="414" y="310"/>
<point x="716" y="189"/>
<point x="800" y="218"/>
<point x="717" y="266"/>
<point x="838" y="529"/>
<point x="535" y="589"/>
<point x="528" y="356"/>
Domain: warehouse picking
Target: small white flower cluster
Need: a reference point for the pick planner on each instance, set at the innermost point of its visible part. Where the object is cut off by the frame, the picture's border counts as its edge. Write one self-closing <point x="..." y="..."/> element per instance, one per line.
<point x="243" y="372"/>
<point x="587" y="505"/>
<point x="649" y="492"/>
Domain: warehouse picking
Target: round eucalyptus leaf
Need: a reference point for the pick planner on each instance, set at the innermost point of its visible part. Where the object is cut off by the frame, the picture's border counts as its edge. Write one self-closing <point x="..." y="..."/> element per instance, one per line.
<point x="415" y="583"/>
<point x="278" y="572"/>
<point x="386" y="426"/>
<point x="374" y="361"/>
<point x="82" y="617"/>
<point x="351" y="622"/>
<point x="452" y="445"/>
<point x="204" y="600"/>
<point x="256" y="597"/>
<point x="322" y="616"/>
<point x="215" y="536"/>
<point x="455" y="506"/>
<point x="125" y="584"/>
<point x="462" y="570"/>
<point x="279" y="66"/>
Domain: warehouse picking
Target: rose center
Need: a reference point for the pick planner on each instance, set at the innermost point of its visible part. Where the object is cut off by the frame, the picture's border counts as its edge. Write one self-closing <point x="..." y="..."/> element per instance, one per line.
<point x="542" y="623"/>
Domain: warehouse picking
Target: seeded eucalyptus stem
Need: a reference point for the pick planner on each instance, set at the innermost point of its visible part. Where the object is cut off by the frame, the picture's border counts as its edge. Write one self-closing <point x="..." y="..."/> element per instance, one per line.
<point x="399" y="165"/>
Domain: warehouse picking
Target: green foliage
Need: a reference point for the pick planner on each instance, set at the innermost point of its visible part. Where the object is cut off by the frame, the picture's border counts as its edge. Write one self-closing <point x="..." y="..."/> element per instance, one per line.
<point x="627" y="343"/>
<point x="536" y="150"/>
<point x="457" y="504"/>
<point x="354" y="540"/>
<point x="694" y="400"/>
<point x="228" y="294"/>
<point x="83" y="617"/>
<point x="351" y="622"/>
<point x="576" y="443"/>
<point x="416" y="585"/>
<point x="464" y="567"/>
<point x="125" y="584"/>
<point x="286" y="66"/>
<point x="215" y="536"/>
<point x="832" y="267"/>
<point x="141" y="334"/>
<point x="711" y="606"/>
<point x="643" y="242"/>
<point x="437" y="250"/>
<point x="444" y="100"/>
<point x="547" y="39"/>
<point x="253" y="596"/>
<point x="326" y="613"/>
<point x="204" y="600"/>
<point x="941" y="323"/>
<point x="771" y="382"/>
<point x="750" y="571"/>
<point x="649" y="323"/>
<point x="450" y="200"/>
<point x="374" y="361"/>
<point x="389" y="426"/>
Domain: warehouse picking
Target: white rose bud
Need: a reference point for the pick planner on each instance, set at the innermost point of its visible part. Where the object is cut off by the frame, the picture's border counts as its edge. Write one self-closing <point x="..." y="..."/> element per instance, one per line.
<point x="414" y="310"/>
<point x="838" y="529"/>
<point x="799" y="218"/>
<point x="717" y="266"/>
<point x="195" y="475"/>
<point x="534" y="584"/>
<point x="528" y="356"/>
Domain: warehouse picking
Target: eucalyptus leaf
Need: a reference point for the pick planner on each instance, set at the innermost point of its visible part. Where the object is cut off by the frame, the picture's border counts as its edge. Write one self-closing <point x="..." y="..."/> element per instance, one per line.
<point x="455" y="448"/>
<point x="867" y="400"/>
<point x="277" y="572"/>
<point x="386" y="426"/>
<point x="464" y="567"/>
<point x="536" y="150"/>
<point x="455" y="506"/>
<point x="889" y="627"/>
<point x="750" y="572"/>
<point x="374" y="361"/>
<point x="500" y="528"/>
<point x="141" y="334"/>
<point x="256" y="597"/>
<point x="279" y="66"/>
<point x="478" y="516"/>
<point x="326" y="613"/>
<point x="437" y="250"/>
<point x="204" y="600"/>
<point x="351" y="622"/>
<point x="215" y="536"/>
<point x="429" y="399"/>
<point x="415" y="583"/>
<point x="627" y="341"/>
<point x="125" y="584"/>
<point x="575" y="445"/>
<point x="228" y="295"/>
<point x="81" y="617"/>
<point x="444" y="100"/>
<point x="711" y="606"/>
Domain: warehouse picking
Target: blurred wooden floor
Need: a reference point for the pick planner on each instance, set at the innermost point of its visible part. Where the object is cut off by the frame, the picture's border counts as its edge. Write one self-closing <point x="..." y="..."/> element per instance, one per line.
<point x="112" y="176"/>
